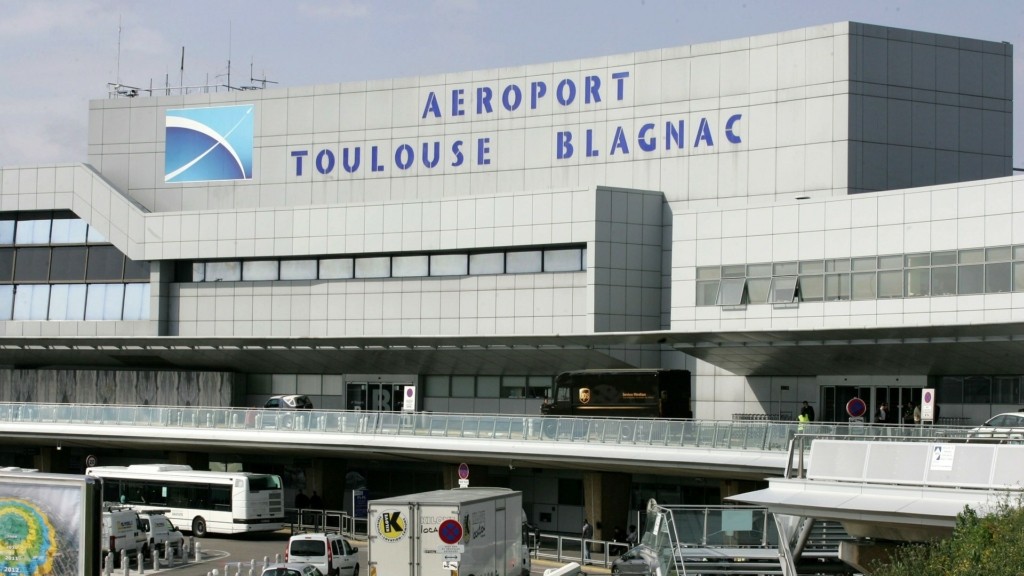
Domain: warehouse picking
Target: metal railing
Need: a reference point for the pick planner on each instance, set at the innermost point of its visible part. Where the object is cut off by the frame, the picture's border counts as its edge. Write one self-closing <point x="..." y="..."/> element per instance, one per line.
<point x="730" y="435"/>
<point x="564" y="549"/>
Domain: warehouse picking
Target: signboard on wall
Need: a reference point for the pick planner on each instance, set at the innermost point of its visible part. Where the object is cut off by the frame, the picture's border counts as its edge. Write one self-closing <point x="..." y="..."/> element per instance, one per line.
<point x="205" y="144"/>
<point x="409" y="398"/>
<point x="928" y="405"/>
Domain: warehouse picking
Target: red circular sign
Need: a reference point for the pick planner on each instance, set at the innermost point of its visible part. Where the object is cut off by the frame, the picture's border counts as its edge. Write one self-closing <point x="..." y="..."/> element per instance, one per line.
<point x="450" y="531"/>
<point x="463" y="470"/>
<point x="856" y="408"/>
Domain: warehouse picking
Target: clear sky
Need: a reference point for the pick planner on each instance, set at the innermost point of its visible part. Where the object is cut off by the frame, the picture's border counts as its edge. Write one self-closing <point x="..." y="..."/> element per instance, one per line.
<point x="56" y="55"/>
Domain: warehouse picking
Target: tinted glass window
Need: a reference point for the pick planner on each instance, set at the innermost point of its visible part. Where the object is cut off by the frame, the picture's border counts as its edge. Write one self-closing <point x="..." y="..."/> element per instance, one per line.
<point x="68" y="264"/>
<point x="106" y="263"/>
<point x="6" y="264"/>
<point x="32" y="265"/>
<point x="308" y="548"/>
<point x="136" y="270"/>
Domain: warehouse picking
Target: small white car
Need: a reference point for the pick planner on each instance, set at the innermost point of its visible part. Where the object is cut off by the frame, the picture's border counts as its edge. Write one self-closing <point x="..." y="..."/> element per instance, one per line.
<point x="1008" y="426"/>
<point x="161" y="532"/>
<point x="291" y="569"/>
<point x="330" y="553"/>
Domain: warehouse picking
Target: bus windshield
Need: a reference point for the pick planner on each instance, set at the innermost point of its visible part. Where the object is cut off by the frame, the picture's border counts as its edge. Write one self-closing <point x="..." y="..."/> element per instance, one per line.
<point x="264" y="482"/>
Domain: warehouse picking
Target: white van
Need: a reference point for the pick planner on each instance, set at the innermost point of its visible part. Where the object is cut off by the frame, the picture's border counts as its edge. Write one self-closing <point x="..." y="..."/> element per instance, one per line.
<point x="160" y="532"/>
<point x="330" y="553"/>
<point x="121" y="529"/>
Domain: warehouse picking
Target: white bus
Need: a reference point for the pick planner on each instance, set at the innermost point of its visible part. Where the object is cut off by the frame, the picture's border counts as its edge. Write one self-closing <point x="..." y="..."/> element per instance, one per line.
<point x="203" y="501"/>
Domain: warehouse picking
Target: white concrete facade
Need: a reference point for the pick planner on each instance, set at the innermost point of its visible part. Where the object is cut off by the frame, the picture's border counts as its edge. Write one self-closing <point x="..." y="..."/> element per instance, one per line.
<point x="752" y="151"/>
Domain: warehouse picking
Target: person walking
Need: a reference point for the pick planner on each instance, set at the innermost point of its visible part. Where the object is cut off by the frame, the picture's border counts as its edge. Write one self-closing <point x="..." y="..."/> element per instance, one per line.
<point x="588" y="533"/>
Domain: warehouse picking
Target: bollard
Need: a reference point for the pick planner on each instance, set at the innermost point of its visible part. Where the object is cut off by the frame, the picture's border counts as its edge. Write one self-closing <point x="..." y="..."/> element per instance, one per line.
<point x="124" y="561"/>
<point x="141" y="562"/>
<point x="264" y="562"/>
<point x="277" y="558"/>
<point x="108" y="564"/>
<point x="199" y="553"/>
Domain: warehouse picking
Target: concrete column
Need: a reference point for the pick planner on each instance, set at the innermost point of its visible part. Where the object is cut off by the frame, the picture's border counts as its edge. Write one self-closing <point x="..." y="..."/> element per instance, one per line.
<point x="44" y="461"/>
<point x="606" y="502"/>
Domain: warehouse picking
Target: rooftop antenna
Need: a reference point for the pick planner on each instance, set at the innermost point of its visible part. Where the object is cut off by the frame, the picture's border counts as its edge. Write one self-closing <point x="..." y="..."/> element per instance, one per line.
<point x="229" y="55"/>
<point x="117" y="72"/>
<point x="263" y="81"/>
<point x="181" y="72"/>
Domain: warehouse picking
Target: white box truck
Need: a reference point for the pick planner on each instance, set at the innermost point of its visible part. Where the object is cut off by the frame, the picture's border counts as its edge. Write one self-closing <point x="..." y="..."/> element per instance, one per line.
<point x="460" y="532"/>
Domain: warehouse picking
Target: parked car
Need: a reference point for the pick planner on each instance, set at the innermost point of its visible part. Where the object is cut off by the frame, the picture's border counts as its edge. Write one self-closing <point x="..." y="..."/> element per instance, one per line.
<point x="290" y="402"/>
<point x="291" y="569"/>
<point x="330" y="553"/>
<point x="1008" y="426"/>
<point x="161" y="532"/>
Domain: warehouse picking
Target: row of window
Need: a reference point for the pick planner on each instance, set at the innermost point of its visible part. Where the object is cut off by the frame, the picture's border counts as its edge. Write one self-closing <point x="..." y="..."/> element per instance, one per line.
<point x="74" y="302"/>
<point x="945" y="273"/>
<point x="69" y="264"/>
<point x="442" y="386"/>
<point x="60" y="227"/>
<point x="160" y="493"/>
<point x="981" y="390"/>
<point x="411" y="266"/>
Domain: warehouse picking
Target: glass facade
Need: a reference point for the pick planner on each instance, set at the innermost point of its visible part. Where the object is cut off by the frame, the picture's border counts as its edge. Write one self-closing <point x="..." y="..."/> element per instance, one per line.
<point x="54" y="266"/>
<point x="404" y="266"/>
<point x="947" y="273"/>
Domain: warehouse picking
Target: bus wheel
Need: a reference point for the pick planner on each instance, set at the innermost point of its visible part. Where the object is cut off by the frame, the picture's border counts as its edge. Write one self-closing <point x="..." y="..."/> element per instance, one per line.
<point x="199" y="527"/>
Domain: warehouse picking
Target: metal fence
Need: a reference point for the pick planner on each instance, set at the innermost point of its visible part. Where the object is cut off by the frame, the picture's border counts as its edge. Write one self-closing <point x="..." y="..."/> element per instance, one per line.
<point x="733" y="435"/>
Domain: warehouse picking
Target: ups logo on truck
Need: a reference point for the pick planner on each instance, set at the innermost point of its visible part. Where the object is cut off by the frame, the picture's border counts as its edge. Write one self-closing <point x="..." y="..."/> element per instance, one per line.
<point x="392" y="525"/>
<point x="584" y="395"/>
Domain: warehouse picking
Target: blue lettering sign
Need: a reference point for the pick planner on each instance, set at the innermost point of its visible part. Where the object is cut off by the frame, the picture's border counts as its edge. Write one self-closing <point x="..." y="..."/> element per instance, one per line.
<point x="729" y="134"/>
<point x="482" y="150"/>
<point x="563" y="146"/>
<point x="703" y="134"/>
<point x="566" y="92"/>
<point x="646" y="144"/>
<point x="512" y="97"/>
<point x="432" y="107"/>
<point x="620" y="78"/>
<point x="483" y="100"/>
<point x="322" y="166"/>
<point x="375" y="165"/>
<point x="537" y="91"/>
<point x="350" y="167"/>
<point x="404" y="156"/>
<point x="674" y="134"/>
<point x="298" y="155"/>
<point x="457" y="152"/>
<point x="427" y="160"/>
<point x="591" y="150"/>
<point x="619" y="142"/>
<point x="457" y="101"/>
<point x="592" y="90"/>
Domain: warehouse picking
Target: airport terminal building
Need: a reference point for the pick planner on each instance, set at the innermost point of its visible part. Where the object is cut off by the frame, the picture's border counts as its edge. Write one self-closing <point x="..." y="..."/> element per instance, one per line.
<point x="813" y="215"/>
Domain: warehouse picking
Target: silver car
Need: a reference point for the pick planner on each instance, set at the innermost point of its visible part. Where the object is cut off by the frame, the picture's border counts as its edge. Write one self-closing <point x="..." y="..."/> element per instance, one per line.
<point x="1008" y="426"/>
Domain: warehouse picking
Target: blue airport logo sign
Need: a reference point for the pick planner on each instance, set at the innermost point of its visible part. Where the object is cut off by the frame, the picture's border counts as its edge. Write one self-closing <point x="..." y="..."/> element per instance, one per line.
<point x="203" y="144"/>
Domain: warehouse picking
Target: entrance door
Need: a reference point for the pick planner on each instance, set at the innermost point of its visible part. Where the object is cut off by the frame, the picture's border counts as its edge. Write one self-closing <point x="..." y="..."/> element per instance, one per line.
<point x="897" y="398"/>
<point x="376" y="396"/>
<point x="834" y="399"/>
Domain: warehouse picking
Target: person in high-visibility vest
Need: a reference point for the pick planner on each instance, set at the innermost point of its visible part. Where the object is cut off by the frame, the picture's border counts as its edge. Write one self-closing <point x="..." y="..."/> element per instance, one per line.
<point x="803" y="419"/>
